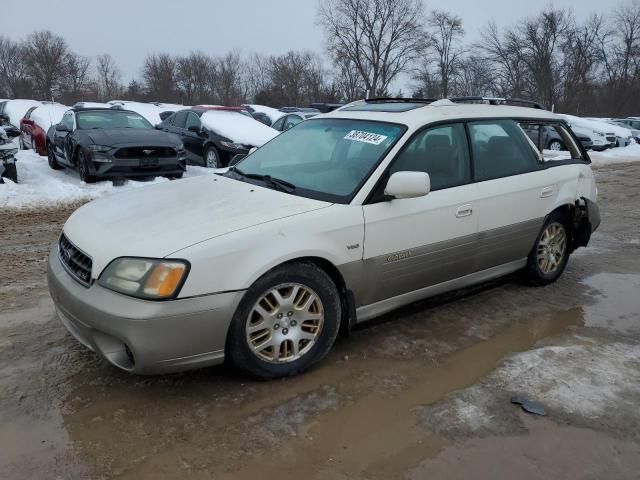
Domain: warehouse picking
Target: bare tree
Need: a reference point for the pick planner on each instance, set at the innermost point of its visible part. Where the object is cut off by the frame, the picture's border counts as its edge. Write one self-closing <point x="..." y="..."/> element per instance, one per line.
<point x="13" y="69"/>
<point x="474" y="77"/>
<point x="159" y="74"/>
<point x="296" y="78"/>
<point x="77" y="78"/>
<point x="445" y="36"/>
<point x="109" y="77"/>
<point x="194" y="74"/>
<point x="504" y="53"/>
<point x="380" y="37"/>
<point x="256" y="75"/>
<point x="348" y="81"/>
<point x="46" y="57"/>
<point x="228" y="80"/>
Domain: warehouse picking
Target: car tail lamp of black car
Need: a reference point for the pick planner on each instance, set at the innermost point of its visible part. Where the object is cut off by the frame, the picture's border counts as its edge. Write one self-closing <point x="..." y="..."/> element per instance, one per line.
<point x="145" y="278"/>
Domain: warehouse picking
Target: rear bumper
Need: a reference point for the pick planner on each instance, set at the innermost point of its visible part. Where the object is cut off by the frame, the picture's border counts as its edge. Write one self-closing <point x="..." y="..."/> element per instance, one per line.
<point x="141" y="336"/>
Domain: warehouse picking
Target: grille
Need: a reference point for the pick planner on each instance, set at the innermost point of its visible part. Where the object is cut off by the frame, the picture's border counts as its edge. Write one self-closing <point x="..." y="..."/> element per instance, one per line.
<point x="75" y="261"/>
<point x="145" y="152"/>
<point x="611" y="138"/>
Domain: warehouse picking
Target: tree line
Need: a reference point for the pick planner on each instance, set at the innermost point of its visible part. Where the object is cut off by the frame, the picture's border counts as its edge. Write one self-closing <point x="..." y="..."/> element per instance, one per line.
<point x="585" y="67"/>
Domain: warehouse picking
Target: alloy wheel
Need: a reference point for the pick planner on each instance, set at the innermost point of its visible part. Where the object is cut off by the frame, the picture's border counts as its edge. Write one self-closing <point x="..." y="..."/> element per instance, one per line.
<point x="212" y="159"/>
<point x="555" y="145"/>
<point x="285" y="323"/>
<point x="552" y="248"/>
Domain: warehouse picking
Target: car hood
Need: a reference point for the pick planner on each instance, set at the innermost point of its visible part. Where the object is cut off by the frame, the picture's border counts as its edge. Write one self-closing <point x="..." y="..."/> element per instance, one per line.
<point x="158" y="220"/>
<point x="131" y="136"/>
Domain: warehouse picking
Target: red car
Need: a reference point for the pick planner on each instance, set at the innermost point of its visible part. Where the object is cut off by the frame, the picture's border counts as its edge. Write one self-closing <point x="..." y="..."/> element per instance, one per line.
<point x="36" y="122"/>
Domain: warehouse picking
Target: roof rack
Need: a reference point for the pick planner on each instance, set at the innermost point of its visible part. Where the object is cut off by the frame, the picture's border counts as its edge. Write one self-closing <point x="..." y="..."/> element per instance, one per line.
<point x="499" y="101"/>
<point x="399" y="100"/>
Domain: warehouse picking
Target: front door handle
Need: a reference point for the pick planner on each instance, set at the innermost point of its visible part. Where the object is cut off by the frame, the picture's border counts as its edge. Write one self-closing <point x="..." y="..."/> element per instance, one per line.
<point x="464" y="211"/>
<point x="546" y="192"/>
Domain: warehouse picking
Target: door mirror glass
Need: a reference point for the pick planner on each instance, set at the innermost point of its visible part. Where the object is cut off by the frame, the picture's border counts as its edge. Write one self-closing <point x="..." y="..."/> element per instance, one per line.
<point x="408" y="185"/>
<point x="194" y="128"/>
<point x="61" y="127"/>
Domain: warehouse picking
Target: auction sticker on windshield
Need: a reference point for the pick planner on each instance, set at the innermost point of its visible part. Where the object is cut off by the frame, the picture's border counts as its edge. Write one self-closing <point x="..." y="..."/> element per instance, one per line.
<point x="365" y="137"/>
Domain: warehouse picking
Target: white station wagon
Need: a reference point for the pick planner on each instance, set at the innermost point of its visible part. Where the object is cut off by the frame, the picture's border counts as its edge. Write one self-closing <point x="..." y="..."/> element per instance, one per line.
<point x="338" y="220"/>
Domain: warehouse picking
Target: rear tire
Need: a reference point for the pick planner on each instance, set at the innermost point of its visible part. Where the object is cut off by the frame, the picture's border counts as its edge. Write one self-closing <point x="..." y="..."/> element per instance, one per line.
<point x="83" y="169"/>
<point x="51" y="158"/>
<point x="286" y="322"/>
<point x="549" y="256"/>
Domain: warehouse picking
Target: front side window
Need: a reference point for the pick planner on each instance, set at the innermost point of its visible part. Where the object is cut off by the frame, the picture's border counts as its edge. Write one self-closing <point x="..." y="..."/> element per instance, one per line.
<point x="441" y="152"/>
<point x="326" y="159"/>
<point x="279" y="124"/>
<point x="192" y="121"/>
<point x="67" y="121"/>
<point x="500" y="149"/>
<point x="103" y="119"/>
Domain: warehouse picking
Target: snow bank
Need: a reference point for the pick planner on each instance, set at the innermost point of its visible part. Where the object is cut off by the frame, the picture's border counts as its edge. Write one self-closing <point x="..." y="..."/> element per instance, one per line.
<point x="48" y="115"/>
<point x="238" y="128"/>
<point x="39" y="186"/>
<point x="270" y="112"/>
<point x="15" y="110"/>
<point x="627" y="154"/>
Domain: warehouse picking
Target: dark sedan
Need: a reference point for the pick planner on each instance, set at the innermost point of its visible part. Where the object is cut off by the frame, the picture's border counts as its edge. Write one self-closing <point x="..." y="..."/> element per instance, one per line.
<point x="212" y="135"/>
<point x="108" y="143"/>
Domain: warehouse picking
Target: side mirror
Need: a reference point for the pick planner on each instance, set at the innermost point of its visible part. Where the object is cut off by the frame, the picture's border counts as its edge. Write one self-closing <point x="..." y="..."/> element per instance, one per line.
<point x="12" y="132"/>
<point x="61" y="127"/>
<point x="194" y="128"/>
<point x="408" y="185"/>
<point x="253" y="149"/>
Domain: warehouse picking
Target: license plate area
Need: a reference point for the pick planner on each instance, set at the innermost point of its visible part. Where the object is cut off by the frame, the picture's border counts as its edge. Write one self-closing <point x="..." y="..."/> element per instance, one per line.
<point x="148" y="162"/>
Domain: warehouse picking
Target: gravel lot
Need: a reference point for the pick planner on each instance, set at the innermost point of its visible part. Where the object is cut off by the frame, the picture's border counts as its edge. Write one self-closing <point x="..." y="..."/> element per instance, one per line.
<point x="421" y="393"/>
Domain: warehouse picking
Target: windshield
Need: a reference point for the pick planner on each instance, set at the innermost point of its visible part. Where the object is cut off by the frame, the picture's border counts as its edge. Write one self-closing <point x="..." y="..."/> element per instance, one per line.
<point x="327" y="159"/>
<point x="111" y="119"/>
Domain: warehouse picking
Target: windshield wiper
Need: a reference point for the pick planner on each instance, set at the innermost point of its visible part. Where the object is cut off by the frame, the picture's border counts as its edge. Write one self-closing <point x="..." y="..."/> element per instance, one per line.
<point x="273" y="182"/>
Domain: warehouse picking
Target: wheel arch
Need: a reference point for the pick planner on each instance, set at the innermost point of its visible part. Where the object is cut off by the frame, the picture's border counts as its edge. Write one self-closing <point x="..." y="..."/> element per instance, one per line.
<point x="576" y="215"/>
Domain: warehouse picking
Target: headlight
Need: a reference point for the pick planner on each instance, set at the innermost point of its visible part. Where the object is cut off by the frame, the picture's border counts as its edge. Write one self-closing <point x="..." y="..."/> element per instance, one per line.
<point x="235" y="146"/>
<point x="145" y="278"/>
<point x="100" y="148"/>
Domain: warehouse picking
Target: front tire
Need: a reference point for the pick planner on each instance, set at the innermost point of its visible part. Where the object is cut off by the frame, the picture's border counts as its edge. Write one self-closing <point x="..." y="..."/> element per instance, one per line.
<point x="556" y="145"/>
<point x="549" y="256"/>
<point x="83" y="169"/>
<point x="52" y="160"/>
<point x="212" y="158"/>
<point x="287" y="321"/>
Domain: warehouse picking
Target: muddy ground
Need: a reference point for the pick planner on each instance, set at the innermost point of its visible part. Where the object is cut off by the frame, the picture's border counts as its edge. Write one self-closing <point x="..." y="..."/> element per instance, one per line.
<point x="421" y="393"/>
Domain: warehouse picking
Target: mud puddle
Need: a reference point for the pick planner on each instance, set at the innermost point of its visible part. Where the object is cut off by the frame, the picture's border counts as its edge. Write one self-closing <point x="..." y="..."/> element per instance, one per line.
<point x="617" y="304"/>
<point x="346" y="417"/>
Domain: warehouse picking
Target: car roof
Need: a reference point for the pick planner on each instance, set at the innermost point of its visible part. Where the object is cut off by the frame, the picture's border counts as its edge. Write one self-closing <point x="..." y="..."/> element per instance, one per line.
<point x="443" y="110"/>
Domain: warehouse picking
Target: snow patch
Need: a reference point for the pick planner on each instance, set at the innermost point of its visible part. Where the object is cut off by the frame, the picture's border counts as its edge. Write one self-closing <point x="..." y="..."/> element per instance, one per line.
<point x="39" y="186"/>
<point x="270" y="112"/>
<point x="48" y="115"/>
<point x="627" y="154"/>
<point x="16" y="109"/>
<point x="238" y="128"/>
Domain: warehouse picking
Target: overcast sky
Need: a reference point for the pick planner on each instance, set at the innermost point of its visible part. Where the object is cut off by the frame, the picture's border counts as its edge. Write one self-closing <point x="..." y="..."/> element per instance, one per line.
<point x="130" y="29"/>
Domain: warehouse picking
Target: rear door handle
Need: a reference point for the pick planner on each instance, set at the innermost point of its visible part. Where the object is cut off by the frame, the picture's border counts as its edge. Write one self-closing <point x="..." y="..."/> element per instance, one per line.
<point x="464" y="211"/>
<point x="546" y="192"/>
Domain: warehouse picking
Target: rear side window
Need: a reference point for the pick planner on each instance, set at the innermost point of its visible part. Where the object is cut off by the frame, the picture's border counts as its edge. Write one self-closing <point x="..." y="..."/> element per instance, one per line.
<point x="441" y="152"/>
<point x="180" y="119"/>
<point x="553" y="141"/>
<point x="500" y="149"/>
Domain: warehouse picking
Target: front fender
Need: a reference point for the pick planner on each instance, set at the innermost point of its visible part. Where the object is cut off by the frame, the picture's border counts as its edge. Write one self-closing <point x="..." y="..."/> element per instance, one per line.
<point x="236" y="260"/>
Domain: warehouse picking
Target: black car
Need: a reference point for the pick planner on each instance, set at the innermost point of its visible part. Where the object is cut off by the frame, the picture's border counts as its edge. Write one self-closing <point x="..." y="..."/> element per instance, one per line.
<point x="286" y="122"/>
<point x="109" y="143"/>
<point x="207" y="146"/>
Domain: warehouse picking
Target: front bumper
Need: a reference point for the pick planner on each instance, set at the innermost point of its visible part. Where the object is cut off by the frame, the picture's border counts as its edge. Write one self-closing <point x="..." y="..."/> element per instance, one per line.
<point x="139" y="336"/>
<point x="108" y="166"/>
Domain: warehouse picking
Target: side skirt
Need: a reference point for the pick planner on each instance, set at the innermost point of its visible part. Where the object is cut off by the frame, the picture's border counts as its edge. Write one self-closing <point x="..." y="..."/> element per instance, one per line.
<point x="367" y="312"/>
